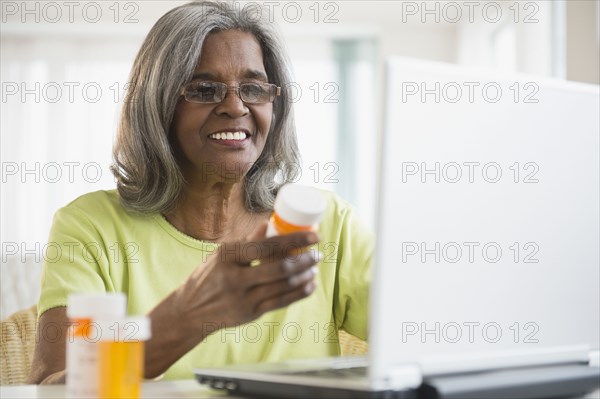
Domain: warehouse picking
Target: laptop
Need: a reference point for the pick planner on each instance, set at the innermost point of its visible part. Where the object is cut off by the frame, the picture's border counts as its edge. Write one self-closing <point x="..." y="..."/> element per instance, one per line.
<point x="487" y="270"/>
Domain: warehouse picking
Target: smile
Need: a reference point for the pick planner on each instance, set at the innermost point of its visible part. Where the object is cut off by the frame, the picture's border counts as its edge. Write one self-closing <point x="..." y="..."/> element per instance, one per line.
<point x="229" y="136"/>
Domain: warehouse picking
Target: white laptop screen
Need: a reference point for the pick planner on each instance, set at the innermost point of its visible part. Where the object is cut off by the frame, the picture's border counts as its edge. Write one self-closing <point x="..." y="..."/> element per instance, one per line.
<point x="488" y="224"/>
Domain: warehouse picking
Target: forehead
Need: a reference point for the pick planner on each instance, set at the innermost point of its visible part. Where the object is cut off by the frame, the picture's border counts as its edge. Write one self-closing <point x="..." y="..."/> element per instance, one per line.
<point x="230" y="54"/>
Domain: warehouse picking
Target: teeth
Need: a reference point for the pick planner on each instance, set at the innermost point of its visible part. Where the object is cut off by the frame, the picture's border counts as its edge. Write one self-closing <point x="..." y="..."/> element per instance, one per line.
<point x="228" y="136"/>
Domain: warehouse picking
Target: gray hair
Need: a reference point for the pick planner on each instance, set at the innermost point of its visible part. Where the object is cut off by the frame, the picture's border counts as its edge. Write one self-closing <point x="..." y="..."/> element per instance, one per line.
<point x="148" y="176"/>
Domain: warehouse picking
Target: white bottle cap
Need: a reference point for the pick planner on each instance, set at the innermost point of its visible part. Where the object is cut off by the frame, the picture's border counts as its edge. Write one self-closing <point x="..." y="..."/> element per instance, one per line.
<point x="123" y="329"/>
<point x="300" y="205"/>
<point x="97" y="306"/>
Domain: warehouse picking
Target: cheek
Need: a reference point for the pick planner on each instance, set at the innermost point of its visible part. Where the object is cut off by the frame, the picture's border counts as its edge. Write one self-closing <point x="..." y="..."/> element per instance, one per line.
<point x="179" y="120"/>
<point x="264" y="119"/>
<point x="187" y="119"/>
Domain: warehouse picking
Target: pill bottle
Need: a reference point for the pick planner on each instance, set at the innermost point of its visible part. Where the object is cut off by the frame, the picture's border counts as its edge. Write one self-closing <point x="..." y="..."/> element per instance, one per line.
<point x="121" y="355"/>
<point x="297" y="208"/>
<point x="82" y="348"/>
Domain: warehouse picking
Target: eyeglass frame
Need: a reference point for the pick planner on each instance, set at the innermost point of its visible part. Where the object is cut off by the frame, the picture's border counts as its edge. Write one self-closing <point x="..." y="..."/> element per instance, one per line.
<point x="237" y="88"/>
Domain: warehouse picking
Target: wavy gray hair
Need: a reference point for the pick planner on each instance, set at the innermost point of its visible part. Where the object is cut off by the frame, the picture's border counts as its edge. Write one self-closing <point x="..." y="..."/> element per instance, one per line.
<point x="148" y="176"/>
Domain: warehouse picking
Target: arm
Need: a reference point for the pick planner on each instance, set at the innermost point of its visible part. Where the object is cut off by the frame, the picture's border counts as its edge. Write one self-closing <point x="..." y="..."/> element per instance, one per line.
<point x="226" y="292"/>
<point x="354" y="261"/>
<point x="223" y="292"/>
<point x="48" y="366"/>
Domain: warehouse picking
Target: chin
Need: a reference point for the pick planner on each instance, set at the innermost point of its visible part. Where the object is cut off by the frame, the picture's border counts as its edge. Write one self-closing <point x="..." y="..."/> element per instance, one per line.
<point x="227" y="171"/>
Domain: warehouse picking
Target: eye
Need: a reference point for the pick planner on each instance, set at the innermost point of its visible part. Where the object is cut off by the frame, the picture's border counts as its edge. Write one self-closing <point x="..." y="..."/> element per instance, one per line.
<point x="253" y="92"/>
<point x="204" y="91"/>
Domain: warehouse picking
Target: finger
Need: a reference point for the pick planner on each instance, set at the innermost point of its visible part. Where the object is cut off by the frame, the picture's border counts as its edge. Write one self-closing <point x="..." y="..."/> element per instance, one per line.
<point x="268" y="250"/>
<point x="281" y="286"/>
<point x="287" y="298"/>
<point x="260" y="233"/>
<point x="282" y="269"/>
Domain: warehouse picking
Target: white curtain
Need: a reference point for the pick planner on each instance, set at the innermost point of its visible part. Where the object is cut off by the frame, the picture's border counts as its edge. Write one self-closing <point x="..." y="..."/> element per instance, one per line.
<point x="61" y="99"/>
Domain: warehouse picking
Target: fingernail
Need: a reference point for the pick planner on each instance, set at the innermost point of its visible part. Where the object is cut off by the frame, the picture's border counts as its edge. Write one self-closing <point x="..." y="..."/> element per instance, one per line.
<point x="298" y="279"/>
<point x="312" y="238"/>
<point x="314" y="270"/>
<point x="310" y="287"/>
<point x="317" y="256"/>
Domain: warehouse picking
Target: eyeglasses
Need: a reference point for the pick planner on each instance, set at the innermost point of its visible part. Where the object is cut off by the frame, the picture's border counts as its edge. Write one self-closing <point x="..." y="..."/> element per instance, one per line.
<point x="215" y="92"/>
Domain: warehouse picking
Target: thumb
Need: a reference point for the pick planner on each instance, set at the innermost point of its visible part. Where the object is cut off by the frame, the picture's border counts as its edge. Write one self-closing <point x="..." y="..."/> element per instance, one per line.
<point x="260" y="233"/>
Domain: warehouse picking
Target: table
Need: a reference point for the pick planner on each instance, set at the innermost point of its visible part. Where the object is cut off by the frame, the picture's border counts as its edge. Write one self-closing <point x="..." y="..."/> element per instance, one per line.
<point x="159" y="389"/>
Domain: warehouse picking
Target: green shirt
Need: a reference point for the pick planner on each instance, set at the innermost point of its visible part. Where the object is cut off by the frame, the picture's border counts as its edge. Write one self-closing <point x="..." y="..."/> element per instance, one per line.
<point x="95" y="245"/>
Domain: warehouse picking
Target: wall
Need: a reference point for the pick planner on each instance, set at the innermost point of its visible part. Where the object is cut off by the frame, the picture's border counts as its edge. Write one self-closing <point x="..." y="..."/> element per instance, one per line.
<point x="37" y="46"/>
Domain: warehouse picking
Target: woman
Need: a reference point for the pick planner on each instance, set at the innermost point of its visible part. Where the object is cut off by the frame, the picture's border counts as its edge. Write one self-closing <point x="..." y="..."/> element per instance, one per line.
<point x="206" y="139"/>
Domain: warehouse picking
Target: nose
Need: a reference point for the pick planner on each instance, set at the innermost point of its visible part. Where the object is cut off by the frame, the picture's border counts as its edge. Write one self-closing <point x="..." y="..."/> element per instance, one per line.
<point x="232" y="105"/>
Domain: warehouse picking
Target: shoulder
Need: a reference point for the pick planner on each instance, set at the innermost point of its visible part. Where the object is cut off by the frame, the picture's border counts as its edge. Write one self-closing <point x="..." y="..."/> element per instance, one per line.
<point x="97" y="200"/>
<point x="336" y="205"/>
<point x="341" y="219"/>
<point x="96" y="208"/>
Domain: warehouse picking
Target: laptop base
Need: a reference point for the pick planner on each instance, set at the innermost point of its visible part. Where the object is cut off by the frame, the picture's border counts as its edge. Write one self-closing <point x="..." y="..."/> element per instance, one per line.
<point x="558" y="381"/>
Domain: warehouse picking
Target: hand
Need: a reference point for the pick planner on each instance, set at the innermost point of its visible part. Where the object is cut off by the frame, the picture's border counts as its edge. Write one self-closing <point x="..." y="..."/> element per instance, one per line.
<point x="227" y="291"/>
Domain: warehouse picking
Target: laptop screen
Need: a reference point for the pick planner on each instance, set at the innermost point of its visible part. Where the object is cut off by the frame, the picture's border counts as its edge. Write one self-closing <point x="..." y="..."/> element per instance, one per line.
<point x="488" y="220"/>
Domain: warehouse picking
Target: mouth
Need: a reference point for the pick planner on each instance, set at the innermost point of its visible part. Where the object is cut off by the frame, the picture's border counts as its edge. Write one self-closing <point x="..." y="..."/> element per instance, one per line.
<point x="230" y="135"/>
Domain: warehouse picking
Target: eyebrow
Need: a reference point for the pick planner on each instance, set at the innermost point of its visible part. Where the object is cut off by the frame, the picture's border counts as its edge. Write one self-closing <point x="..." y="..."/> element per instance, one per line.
<point x="248" y="74"/>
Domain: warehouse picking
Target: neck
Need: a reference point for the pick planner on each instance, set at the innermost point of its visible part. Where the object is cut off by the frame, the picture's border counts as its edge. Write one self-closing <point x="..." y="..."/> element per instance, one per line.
<point x="213" y="212"/>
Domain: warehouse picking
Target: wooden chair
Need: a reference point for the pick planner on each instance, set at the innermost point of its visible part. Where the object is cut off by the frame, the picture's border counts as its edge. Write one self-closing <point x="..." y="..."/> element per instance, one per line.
<point x="350" y="345"/>
<point x="16" y="346"/>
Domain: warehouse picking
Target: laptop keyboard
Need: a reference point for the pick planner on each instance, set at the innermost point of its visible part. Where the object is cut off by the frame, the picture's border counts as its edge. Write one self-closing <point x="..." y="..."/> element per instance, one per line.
<point x="350" y="372"/>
